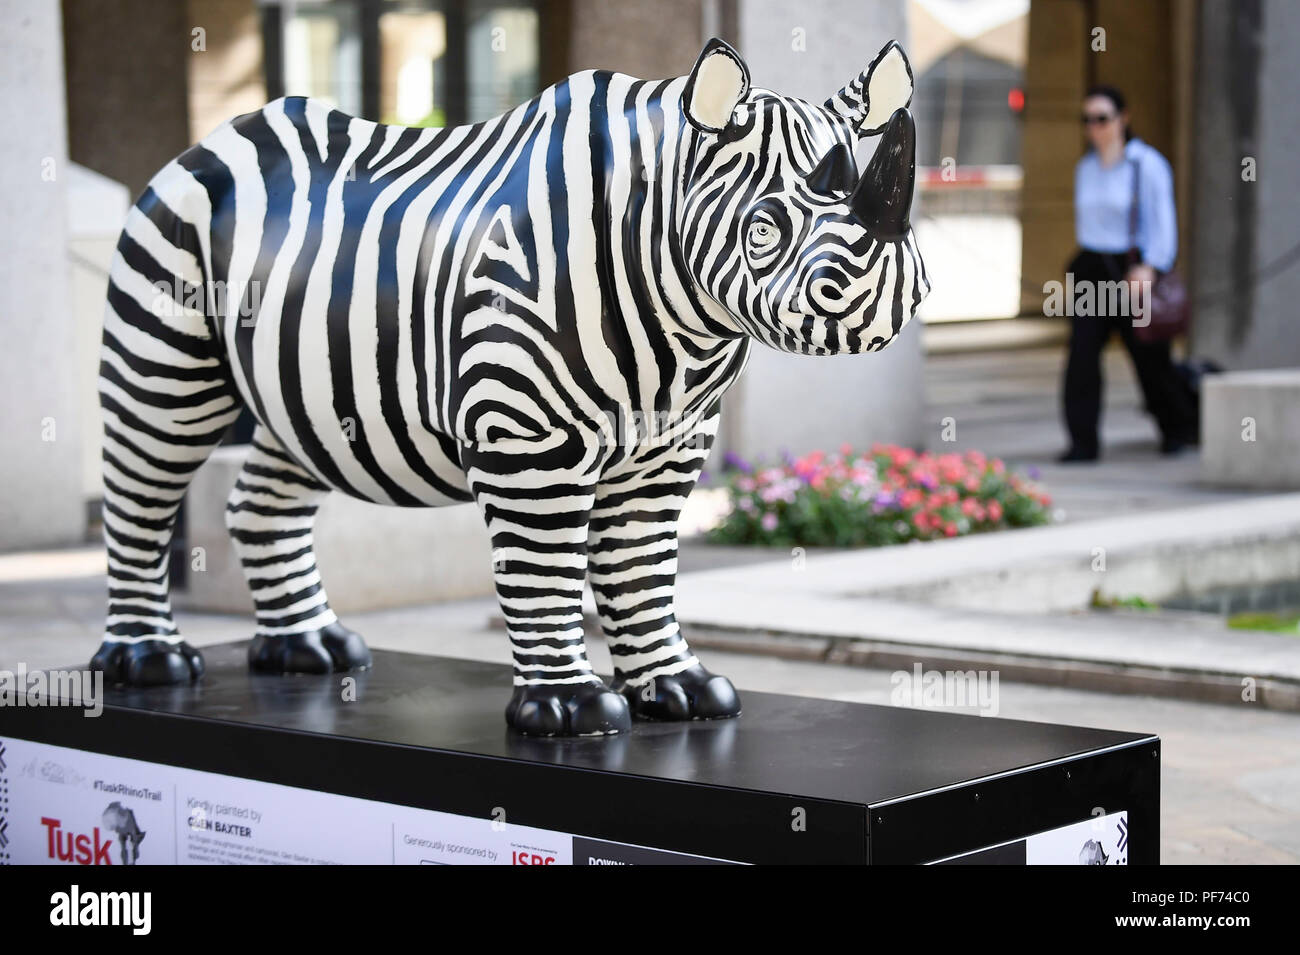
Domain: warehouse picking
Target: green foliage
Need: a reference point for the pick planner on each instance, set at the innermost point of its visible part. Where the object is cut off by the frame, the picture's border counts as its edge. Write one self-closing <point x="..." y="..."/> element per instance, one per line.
<point x="1129" y="603"/>
<point x="1275" y="622"/>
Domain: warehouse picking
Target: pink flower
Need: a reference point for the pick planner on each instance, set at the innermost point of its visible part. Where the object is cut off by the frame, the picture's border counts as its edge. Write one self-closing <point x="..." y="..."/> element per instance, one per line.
<point x="995" y="511"/>
<point x="769" y="522"/>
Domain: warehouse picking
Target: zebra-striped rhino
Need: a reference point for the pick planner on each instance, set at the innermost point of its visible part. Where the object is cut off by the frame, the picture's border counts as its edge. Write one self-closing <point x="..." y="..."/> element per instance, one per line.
<point x="538" y="313"/>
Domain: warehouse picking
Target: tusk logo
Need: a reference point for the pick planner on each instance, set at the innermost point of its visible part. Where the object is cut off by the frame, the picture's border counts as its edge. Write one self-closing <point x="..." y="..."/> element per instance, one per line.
<point x="93" y="848"/>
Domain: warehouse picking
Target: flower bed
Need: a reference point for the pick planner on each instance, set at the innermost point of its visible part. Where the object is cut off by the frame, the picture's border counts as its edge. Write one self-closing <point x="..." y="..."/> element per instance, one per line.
<point x="884" y="495"/>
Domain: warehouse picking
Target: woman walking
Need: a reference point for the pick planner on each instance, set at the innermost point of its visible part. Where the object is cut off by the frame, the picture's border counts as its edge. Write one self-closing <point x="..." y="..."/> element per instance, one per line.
<point x="1116" y="164"/>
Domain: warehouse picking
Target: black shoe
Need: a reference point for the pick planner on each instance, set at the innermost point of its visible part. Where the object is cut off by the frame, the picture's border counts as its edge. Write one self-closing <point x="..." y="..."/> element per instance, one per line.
<point x="1171" y="447"/>
<point x="1075" y="455"/>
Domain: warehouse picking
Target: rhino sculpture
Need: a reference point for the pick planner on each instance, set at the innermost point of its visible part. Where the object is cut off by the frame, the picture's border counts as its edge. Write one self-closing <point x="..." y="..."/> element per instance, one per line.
<point x="538" y="313"/>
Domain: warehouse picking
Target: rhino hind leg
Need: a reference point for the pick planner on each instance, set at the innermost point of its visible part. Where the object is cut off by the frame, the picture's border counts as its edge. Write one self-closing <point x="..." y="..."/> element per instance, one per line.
<point x="166" y="404"/>
<point x="270" y="515"/>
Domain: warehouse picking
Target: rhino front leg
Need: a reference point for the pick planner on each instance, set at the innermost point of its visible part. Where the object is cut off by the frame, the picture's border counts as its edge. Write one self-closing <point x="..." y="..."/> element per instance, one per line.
<point x="632" y="547"/>
<point x="536" y="497"/>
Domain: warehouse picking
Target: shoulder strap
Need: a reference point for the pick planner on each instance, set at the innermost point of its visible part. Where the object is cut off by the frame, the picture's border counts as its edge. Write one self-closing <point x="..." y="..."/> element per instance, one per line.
<point x="1133" y="205"/>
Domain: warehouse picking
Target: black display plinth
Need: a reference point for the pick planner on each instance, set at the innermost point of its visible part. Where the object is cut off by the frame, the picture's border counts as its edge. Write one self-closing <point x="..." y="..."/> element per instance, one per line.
<point x="412" y="761"/>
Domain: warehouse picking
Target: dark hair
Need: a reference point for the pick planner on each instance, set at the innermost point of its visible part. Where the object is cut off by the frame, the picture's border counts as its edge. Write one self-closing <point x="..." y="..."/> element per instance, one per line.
<point x="1116" y="97"/>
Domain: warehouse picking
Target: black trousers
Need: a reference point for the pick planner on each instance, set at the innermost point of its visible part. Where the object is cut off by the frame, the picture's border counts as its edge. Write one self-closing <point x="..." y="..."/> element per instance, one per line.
<point x="1167" y="398"/>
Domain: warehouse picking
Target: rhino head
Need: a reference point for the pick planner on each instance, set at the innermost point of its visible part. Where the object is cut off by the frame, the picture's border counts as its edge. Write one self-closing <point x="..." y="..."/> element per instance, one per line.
<point x="778" y="226"/>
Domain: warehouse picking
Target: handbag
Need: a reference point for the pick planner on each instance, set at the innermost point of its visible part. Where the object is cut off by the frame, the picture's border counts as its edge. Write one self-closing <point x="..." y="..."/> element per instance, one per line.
<point x="1168" y="311"/>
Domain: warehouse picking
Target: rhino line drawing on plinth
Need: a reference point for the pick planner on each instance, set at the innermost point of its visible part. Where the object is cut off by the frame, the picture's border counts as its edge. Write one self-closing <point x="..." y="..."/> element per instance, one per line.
<point x="538" y="313"/>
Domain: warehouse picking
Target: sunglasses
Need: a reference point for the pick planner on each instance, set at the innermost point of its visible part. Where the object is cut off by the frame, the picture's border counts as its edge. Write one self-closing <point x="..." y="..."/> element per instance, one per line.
<point x="1096" y="119"/>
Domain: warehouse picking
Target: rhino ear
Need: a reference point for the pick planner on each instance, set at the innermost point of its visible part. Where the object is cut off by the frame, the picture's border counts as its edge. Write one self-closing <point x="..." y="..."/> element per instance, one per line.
<point x="718" y="81"/>
<point x="885" y="86"/>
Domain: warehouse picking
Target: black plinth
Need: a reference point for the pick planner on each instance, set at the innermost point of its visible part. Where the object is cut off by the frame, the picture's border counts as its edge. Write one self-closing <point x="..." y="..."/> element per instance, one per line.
<point x="792" y="780"/>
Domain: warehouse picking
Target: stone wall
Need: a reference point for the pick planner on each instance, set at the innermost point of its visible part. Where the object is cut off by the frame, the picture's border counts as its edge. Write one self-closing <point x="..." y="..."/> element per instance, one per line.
<point x="40" y="453"/>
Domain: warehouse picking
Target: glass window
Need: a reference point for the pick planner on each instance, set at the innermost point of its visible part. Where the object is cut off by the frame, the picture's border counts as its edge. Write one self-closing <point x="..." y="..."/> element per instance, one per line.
<point x="322" y="53"/>
<point x="410" y="62"/>
<point x="502" y="61"/>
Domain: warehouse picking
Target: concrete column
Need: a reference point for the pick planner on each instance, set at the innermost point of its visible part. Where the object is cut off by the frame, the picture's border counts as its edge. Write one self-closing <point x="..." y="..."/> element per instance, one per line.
<point x="783" y="402"/>
<point x="1245" y="280"/>
<point x="796" y="403"/>
<point x="41" y="501"/>
<point x="97" y="207"/>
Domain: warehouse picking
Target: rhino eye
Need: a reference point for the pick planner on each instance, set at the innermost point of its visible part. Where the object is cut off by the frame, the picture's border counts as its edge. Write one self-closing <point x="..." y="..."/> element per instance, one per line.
<point x="767" y="236"/>
<point x="762" y="234"/>
<point x="763" y="241"/>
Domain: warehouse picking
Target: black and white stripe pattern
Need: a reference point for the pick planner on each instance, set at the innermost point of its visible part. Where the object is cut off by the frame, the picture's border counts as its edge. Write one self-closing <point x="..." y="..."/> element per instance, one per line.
<point x="538" y="313"/>
<point x="270" y="515"/>
<point x="166" y="400"/>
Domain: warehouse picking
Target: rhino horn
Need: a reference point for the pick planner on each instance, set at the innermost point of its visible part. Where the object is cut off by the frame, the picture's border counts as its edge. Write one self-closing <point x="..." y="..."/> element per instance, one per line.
<point x="882" y="200"/>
